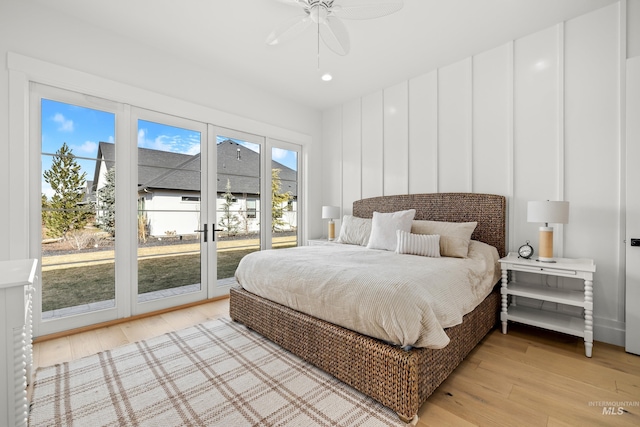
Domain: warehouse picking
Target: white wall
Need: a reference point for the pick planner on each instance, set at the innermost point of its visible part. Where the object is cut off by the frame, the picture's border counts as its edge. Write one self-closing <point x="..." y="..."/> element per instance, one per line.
<point x="535" y="119"/>
<point x="37" y="32"/>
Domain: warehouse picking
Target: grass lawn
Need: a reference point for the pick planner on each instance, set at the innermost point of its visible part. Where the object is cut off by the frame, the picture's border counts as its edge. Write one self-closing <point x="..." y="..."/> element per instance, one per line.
<point x="82" y="285"/>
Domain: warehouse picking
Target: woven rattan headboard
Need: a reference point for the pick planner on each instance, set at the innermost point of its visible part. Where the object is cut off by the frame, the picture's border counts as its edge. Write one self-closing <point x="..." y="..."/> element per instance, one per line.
<point x="489" y="210"/>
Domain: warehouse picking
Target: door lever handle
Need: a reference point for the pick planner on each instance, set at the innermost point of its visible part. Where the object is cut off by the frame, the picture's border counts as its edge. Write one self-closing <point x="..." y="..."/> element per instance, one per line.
<point x="214" y="231"/>
<point x="205" y="231"/>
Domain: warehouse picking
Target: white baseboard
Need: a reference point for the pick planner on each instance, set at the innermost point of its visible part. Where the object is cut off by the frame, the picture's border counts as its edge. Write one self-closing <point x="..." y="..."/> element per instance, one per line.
<point x="608" y="331"/>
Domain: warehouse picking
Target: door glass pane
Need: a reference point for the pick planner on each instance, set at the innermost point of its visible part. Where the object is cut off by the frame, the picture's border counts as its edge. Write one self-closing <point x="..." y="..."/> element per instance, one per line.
<point x="284" y="198"/>
<point x="169" y="182"/>
<point x="78" y="208"/>
<point x="238" y="203"/>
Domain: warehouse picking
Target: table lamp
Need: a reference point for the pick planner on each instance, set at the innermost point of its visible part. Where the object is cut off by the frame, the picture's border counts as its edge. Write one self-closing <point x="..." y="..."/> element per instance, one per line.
<point x="547" y="212"/>
<point x="331" y="213"/>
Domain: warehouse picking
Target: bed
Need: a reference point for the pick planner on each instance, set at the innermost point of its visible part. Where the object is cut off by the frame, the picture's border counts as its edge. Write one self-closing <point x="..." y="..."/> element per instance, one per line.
<point x="398" y="378"/>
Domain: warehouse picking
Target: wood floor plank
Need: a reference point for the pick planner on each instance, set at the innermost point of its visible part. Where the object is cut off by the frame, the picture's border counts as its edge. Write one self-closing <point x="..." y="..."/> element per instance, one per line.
<point x="570" y="390"/>
<point x="554" y="422"/>
<point x="512" y="342"/>
<point x="537" y="337"/>
<point x="111" y="337"/>
<point x="84" y="344"/>
<point x="576" y="415"/>
<point x="214" y="310"/>
<point x="54" y="351"/>
<point x="578" y="368"/>
<point x="628" y="388"/>
<point x="434" y="416"/>
<point x="184" y="318"/>
<point x="566" y="364"/>
<point x="475" y="372"/>
<point x="136" y="330"/>
<point x="619" y="360"/>
<point x="480" y="405"/>
<point x="155" y="326"/>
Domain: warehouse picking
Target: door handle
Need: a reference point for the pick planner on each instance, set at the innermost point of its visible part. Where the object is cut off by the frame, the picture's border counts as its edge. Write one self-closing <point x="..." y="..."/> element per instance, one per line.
<point x="205" y="231"/>
<point x="214" y="231"/>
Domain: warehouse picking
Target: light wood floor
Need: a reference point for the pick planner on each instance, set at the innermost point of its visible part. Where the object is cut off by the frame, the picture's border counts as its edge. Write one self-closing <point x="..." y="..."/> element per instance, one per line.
<point x="528" y="377"/>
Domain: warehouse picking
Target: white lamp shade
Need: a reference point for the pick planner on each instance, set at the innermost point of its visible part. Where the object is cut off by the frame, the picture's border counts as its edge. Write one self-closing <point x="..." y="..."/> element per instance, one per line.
<point x="330" y="212"/>
<point x="548" y="212"/>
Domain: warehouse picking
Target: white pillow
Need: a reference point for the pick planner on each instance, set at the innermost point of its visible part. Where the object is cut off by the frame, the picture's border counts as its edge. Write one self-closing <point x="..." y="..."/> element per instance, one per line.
<point x="454" y="236"/>
<point x="384" y="227"/>
<point x="418" y="244"/>
<point x="354" y="230"/>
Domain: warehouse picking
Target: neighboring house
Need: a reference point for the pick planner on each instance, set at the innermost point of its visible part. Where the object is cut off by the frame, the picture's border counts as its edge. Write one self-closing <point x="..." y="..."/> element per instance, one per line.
<point x="169" y="188"/>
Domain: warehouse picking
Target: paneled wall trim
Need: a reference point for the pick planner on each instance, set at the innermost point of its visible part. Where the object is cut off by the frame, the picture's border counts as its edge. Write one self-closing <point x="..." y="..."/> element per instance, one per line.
<point x="538" y="118"/>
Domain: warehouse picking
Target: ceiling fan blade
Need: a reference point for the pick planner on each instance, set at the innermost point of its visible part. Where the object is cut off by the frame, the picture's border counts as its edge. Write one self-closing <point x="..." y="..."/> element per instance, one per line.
<point x="335" y="35"/>
<point x="288" y="29"/>
<point x="367" y="11"/>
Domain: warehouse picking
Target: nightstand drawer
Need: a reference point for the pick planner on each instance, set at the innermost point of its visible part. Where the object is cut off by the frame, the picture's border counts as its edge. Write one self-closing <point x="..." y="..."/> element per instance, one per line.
<point x="544" y="270"/>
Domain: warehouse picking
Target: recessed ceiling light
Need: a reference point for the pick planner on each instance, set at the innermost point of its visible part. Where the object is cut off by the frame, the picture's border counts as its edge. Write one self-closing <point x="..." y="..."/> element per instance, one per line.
<point x="327" y="77"/>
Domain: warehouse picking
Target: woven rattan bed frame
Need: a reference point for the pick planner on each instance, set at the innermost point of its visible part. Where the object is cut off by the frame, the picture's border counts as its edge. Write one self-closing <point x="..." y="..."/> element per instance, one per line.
<point x="401" y="380"/>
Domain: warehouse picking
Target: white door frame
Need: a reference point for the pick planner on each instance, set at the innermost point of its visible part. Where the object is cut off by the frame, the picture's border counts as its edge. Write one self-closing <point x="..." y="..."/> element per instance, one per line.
<point x="632" y="294"/>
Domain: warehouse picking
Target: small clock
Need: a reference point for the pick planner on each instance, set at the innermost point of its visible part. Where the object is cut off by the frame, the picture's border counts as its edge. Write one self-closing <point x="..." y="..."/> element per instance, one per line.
<point x="525" y="251"/>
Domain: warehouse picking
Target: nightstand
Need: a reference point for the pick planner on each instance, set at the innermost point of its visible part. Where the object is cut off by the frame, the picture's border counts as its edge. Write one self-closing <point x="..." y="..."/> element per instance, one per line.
<point x="320" y="242"/>
<point x="16" y="328"/>
<point x="563" y="267"/>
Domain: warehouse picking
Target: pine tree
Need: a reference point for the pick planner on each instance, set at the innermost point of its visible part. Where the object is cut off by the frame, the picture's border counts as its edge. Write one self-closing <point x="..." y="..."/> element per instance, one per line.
<point x="67" y="210"/>
<point x="278" y="201"/>
<point x="107" y="203"/>
<point x="229" y="220"/>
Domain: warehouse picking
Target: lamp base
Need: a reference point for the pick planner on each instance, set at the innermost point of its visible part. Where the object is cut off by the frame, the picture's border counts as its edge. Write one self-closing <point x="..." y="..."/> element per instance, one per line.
<point x="545" y="244"/>
<point x="331" y="234"/>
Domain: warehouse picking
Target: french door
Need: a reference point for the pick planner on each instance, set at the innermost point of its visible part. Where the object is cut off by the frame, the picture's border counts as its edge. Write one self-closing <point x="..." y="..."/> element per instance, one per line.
<point x="169" y="166"/>
<point x="139" y="210"/>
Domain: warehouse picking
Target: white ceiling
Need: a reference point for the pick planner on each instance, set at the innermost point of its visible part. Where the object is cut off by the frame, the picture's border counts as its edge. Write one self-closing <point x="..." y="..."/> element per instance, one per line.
<point x="228" y="36"/>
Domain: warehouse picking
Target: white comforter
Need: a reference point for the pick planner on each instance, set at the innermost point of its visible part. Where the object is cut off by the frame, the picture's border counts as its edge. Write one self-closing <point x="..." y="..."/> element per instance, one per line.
<point x="402" y="299"/>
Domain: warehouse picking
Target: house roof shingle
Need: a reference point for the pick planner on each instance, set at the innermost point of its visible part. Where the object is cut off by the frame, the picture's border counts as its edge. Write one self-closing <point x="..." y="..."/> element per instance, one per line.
<point x="175" y="171"/>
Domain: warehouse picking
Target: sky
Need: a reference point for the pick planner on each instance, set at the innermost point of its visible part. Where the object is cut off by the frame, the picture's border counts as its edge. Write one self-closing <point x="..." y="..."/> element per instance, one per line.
<point x="83" y="128"/>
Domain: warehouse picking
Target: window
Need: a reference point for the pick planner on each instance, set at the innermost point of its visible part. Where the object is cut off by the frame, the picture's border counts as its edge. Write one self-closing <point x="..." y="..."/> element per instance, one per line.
<point x="78" y="209"/>
<point x="251" y="208"/>
<point x="190" y="198"/>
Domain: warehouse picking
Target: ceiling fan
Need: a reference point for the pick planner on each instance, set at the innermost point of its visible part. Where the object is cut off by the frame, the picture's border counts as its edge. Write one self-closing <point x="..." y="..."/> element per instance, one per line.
<point x="327" y="15"/>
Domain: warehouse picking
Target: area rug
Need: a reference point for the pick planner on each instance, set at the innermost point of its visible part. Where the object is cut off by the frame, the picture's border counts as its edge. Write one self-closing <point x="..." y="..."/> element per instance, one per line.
<point x="218" y="373"/>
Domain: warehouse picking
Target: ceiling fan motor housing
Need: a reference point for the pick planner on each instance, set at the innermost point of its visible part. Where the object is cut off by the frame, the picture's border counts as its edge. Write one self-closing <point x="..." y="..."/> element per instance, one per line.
<point x="318" y="10"/>
<point x="327" y="16"/>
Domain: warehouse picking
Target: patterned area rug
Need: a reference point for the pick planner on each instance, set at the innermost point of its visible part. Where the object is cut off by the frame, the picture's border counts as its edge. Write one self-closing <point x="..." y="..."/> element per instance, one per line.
<point x="218" y="373"/>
